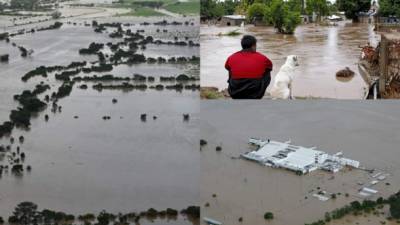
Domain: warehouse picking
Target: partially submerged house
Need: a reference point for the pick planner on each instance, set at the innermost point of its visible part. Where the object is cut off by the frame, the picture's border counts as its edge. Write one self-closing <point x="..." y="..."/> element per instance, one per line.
<point x="300" y="159"/>
<point x="232" y="20"/>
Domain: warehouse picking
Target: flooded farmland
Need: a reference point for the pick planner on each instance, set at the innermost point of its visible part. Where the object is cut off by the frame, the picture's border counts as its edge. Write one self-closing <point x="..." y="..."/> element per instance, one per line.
<point x="322" y="51"/>
<point x="127" y="146"/>
<point x="232" y="187"/>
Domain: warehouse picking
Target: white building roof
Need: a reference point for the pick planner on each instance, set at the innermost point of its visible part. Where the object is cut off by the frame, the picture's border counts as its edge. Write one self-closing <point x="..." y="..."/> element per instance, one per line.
<point x="235" y="17"/>
<point x="298" y="158"/>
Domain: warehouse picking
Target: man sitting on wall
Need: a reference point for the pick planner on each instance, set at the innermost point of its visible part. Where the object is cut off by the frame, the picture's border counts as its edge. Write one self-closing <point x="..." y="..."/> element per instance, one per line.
<point x="249" y="71"/>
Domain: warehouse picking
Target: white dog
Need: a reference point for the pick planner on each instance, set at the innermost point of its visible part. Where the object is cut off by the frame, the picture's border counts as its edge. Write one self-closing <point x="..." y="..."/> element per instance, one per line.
<point x="282" y="87"/>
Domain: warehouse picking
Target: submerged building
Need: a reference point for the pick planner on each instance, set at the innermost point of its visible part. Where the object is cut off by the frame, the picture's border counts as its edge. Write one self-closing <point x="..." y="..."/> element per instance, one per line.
<point x="232" y="20"/>
<point x="300" y="159"/>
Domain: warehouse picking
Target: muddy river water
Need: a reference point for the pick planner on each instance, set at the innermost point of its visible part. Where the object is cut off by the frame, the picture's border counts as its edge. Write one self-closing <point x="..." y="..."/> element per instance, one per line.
<point x="322" y="52"/>
<point x="363" y="131"/>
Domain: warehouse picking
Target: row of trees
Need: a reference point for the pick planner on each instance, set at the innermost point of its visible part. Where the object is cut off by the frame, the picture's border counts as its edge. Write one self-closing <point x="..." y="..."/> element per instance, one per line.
<point x="27" y="213"/>
<point x="285" y="14"/>
<point x="366" y="206"/>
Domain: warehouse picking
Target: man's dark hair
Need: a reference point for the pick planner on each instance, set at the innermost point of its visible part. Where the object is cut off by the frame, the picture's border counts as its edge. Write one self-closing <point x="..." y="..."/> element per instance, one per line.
<point x="248" y="41"/>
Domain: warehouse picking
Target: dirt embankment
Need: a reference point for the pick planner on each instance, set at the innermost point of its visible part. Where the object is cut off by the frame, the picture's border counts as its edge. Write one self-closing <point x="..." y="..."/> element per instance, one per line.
<point x="213" y="93"/>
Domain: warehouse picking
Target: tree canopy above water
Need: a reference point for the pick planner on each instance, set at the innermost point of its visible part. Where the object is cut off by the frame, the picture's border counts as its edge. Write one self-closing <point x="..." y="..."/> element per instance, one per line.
<point x="352" y="8"/>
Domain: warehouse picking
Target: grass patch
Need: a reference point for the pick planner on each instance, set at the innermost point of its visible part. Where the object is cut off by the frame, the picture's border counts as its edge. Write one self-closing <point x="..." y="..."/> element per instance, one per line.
<point x="185" y="8"/>
<point x="143" y="11"/>
<point x="211" y="93"/>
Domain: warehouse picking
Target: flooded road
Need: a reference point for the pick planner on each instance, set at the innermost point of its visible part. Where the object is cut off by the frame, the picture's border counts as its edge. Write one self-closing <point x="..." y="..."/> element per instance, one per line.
<point x="322" y="52"/>
<point x="363" y="131"/>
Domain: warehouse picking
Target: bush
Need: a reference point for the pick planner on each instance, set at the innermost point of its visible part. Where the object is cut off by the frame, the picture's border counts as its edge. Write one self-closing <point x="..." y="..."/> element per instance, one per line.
<point x="283" y="19"/>
<point x="192" y="211"/>
<point x="93" y="48"/>
<point x="39" y="71"/>
<point x="64" y="90"/>
<point x="268" y="216"/>
<point x="102" y="68"/>
<point x="256" y="10"/>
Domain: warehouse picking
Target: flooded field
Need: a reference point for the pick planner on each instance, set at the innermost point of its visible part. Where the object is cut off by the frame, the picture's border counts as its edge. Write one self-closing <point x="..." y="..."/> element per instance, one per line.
<point x="232" y="187"/>
<point x="322" y="52"/>
<point x="97" y="150"/>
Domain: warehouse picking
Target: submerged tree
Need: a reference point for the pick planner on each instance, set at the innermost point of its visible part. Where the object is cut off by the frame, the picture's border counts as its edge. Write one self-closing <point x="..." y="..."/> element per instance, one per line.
<point x="320" y="7"/>
<point x="283" y="19"/>
<point x="268" y="216"/>
<point x="25" y="214"/>
<point x="389" y="8"/>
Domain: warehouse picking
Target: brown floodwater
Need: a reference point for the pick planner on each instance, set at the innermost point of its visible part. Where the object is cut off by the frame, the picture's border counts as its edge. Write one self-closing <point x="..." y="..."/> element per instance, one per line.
<point x="363" y="131"/>
<point x="87" y="164"/>
<point x="322" y="51"/>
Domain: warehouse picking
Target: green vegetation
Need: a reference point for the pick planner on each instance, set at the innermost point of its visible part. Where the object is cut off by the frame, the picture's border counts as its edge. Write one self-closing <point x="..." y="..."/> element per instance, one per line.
<point x="92" y="49"/>
<point x="268" y="216"/>
<point x="320" y="7"/>
<point x="39" y="71"/>
<point x="231" y="33"/>
<point x="64" y="90"/>
<point x="43" y="70"/>
<point x="143" y="11"/>
<point x="353" y="7"/>
<point x="4" y="58"/>
<point x="210" y="93"/>
<point x="389" y="8"/>
<point x="27" y="213"/>
<point x="65" y="75"/>
<point x="102" y="68"/>
<point x="256" y="10"/>
<point x="282" y="17"/>
<point x="148" y="7"/>
<point x="125" y="86"/>
<point x="30" y="104"/>
<point x="6" y="128"/>
<point x="24" y="4"/>
<point x="54" y="26"/>
<point x="213" y="9"/>
<point x="366" y="206"/>
<point x="191" y="7"/>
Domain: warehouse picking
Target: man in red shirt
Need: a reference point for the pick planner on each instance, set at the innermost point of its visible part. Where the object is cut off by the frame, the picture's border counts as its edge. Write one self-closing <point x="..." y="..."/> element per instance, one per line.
<point x="249" y="71"/>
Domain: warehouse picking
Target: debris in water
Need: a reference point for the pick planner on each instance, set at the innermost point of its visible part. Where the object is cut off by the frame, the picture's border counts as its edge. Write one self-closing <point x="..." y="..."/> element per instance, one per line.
<point x="345" y="73"/>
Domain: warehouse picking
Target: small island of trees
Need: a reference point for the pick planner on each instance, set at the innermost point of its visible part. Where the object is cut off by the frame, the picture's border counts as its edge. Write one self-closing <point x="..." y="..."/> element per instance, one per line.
<point x="366" y="206"/>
